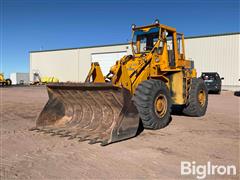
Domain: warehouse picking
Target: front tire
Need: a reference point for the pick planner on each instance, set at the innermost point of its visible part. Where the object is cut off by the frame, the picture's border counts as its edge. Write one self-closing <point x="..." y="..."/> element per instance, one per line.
<point x="153" y="102"/>
<point x="197" y="100"/>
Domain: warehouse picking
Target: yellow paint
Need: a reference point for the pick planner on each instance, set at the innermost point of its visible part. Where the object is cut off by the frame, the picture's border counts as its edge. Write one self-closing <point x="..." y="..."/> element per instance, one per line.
<point x="96" y="74"/>
<point x="130" y="71"/>
<point x="176" y="88"/>
<point x="4" y="81"/>
<point x="2" y="77"/>
<point x="47" y="79"/>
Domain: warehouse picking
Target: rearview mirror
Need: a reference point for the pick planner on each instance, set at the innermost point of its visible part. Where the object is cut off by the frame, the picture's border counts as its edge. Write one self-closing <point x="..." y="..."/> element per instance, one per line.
<point x="222" y="78"/>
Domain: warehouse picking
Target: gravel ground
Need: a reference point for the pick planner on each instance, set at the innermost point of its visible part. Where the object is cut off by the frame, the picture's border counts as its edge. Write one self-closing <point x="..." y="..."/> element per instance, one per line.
<point x="150" y="155"/>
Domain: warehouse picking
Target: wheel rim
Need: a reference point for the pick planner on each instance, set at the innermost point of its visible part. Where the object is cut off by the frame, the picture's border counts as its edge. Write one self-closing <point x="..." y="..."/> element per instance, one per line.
<point x="161" y="105"/>
<point x="202" y="97"/>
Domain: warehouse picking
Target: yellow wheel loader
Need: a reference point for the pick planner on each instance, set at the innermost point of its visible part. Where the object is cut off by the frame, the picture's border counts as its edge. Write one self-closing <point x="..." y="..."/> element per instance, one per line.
<point x="140" y="89"/>
<point x="4" y="82"/>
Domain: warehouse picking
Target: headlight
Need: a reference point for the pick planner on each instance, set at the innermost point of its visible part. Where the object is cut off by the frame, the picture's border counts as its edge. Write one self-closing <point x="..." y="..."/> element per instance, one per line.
<point x="156" y="21"/>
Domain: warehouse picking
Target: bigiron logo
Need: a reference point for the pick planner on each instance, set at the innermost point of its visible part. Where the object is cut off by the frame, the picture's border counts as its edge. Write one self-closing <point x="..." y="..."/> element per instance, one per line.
<point x="201" y="171"/>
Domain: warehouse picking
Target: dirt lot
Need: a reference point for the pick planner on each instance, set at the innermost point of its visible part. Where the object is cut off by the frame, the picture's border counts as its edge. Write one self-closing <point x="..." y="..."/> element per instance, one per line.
<point x="151" y="155"/>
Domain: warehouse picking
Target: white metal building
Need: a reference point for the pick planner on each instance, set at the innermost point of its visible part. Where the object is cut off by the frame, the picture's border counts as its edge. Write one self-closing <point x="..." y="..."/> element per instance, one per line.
<point x="217" y="53"/>
<point x="212" y="53"/>
<point x="73" y="64"/>
<point x="19" y="78"/>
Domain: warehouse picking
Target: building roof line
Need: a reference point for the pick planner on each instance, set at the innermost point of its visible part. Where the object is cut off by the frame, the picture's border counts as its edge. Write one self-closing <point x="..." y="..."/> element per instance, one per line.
<point x="212" y="35"/>
<point x="82" y="47"/>
<point x="119" y="44"/>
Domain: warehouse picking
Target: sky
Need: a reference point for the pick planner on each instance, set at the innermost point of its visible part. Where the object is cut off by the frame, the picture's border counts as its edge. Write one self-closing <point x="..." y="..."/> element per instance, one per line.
<point x="29" y="25"/>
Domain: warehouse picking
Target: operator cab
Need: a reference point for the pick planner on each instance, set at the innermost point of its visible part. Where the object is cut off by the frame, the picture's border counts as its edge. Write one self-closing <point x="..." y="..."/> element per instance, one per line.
<point x="164" y="39"/>
<point x="145" y="39"/>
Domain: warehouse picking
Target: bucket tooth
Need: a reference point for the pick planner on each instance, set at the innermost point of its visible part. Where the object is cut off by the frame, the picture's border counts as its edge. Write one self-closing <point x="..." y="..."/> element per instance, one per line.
<point x="81" y="139"/>
<point x="42" y="130"/>
<point x="96" y="136"/>
<point x="64" y="135"/>
<point x="94" y="141"/>
<point x="86" y="136"/>
<point x="45" y="131"/>
<point x="53" y="134"/>
<point x="34" y="129"/>
<point x="49" y="131"/>
<point x="61" y="136"/>
<point x="58" y="133"/>
<point x="61" y="132"/>
<point x="53" y="131"/>
<point x="104" y="142"/>
<point x="72" y="137"/>
<point x="82" y="135"/>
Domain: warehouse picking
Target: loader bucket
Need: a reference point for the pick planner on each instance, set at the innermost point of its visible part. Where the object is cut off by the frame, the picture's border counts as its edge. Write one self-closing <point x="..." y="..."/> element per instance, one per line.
<point x="98" y="112"/>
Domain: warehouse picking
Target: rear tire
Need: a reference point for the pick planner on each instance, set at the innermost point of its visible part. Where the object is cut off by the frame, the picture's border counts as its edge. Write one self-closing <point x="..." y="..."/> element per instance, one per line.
<point x="198" y="99"/>
<point x="8" y="82"/>
<point x="153" y="102"/>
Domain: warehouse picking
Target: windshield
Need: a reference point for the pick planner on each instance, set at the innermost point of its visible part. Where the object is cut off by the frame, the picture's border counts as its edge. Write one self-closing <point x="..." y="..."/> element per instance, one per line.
<point x="209" y="77"/>
<point x="144" y="41"/>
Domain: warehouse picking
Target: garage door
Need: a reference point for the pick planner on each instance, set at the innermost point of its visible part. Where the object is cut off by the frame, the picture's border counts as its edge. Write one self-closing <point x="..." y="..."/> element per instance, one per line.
<point x="106" y="60"/>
